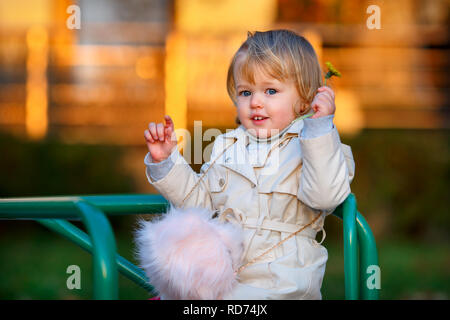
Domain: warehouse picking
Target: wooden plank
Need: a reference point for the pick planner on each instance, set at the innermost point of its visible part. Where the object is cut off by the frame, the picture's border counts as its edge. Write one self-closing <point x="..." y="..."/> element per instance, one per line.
<point x="428" y="98"/>
<point x="12" y="113"/>
<point x="400" y="34"/>
<point x="104" y="93"/>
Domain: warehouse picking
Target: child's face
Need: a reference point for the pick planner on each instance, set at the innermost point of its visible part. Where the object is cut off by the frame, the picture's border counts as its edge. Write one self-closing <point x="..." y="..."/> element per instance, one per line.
<point x="268" y="99"/>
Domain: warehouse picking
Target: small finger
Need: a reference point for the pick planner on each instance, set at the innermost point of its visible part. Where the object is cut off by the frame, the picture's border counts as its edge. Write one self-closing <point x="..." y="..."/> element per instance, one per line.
<point x="148" y="136"/>
<point x="152" y="129"/>
<point x="160" y="131"/>
<point x="168" y="133"/>
<point x="327" y="90"/>
<point x="324" y="90"/>
<point x="169" y="122"/>
<point x="326" y="98"/>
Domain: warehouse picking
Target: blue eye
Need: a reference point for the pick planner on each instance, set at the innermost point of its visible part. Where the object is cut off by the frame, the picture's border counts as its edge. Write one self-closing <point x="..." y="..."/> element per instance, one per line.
<point x="272" y="91"/>
<point x="244" y="93"/>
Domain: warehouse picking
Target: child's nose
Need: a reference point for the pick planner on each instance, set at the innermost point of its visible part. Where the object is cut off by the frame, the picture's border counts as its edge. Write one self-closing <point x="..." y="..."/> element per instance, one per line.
<point x="256" y="101"/>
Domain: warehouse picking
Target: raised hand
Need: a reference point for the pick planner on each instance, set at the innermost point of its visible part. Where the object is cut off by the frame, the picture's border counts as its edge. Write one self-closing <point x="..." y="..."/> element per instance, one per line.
<point x="160" y="139"/>
<point x="323" y="103"/>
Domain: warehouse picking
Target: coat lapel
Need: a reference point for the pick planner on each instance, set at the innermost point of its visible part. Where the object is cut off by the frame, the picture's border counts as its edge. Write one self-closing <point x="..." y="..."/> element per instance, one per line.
<point x="236" y="156"/>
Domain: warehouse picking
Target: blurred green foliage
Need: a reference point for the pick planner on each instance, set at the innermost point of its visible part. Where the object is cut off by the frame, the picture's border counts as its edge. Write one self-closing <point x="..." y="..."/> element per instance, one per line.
<point x="49" y="167"/>
<point x="35" y="261"/>
<point x="403" y="176"/>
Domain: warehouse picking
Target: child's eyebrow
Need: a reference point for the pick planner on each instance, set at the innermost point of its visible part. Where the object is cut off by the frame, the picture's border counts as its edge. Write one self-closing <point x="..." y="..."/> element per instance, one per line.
<point x="275" y="82"/>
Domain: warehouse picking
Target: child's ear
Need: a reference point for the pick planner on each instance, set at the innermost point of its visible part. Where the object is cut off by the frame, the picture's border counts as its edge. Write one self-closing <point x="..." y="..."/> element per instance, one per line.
<point x="305" y="108"/>
<point x="301" y="107"/>
<point x="297" y="107"/>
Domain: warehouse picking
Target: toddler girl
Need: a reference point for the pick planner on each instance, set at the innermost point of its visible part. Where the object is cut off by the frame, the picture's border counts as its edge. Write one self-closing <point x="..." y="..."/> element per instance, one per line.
<point x="276" y="175"/>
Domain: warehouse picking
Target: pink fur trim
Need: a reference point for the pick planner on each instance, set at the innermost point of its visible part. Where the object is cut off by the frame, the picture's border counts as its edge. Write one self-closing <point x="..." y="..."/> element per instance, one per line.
<point x="188" y="255"/>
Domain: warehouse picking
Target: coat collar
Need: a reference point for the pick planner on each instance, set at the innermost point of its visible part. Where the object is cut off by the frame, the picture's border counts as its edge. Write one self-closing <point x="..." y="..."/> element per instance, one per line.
<point x="236" y="155"/>
<point x="239" y="132"/>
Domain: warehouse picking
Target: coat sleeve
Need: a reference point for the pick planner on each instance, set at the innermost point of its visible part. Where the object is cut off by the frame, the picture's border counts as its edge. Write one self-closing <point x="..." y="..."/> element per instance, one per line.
<point x="179" y="182"/>
<point x="327" y="171"/>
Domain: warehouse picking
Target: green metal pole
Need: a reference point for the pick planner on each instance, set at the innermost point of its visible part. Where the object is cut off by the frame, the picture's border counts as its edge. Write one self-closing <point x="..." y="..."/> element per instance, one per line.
<point x="39" y="207"/>
<point x="129" y="204"/>
<point x="370" y="276"/>
<point x="350" y="248"/>
<point x="104" y="251"/>
<point x="63" y="207"/>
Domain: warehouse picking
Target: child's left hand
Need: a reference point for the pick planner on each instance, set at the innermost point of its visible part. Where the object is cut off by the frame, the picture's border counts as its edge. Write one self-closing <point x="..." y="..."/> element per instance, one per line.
<point x="323" y="103"/>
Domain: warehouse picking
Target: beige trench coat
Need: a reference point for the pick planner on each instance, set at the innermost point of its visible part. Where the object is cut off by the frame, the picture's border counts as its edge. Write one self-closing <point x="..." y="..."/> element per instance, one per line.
<point x="300" y="179"/>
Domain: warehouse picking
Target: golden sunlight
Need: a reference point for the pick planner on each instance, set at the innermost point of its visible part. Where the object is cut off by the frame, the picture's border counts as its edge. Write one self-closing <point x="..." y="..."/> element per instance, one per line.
<point x="36" y="86"/>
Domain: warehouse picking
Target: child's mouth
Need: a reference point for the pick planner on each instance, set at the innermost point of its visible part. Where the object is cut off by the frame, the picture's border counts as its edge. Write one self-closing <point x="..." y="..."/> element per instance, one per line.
<point x="259" y="120"/>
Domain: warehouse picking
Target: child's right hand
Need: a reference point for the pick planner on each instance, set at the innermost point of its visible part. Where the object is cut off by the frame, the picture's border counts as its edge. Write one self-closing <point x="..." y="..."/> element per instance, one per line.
<point x="160" y="139"/>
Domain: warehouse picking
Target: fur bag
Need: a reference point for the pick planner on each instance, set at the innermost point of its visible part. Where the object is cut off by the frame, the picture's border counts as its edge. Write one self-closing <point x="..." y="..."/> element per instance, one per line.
<point x="188" y="255"/>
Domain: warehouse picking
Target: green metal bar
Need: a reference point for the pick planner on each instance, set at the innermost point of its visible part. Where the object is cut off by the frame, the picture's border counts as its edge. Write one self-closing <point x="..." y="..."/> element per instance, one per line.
<point x="357" y="233"/>
<point x="77" y="236"/>
<point x="74" y="207"/>
<point x="369" y="267"/>
<point x="348" y="208"/>
<point x="129" y="204"/>
<point x="62" y="207"/>
<point x="368" y="256"/>
<point x="40" y="208"/>
<point x="104" y="251"/>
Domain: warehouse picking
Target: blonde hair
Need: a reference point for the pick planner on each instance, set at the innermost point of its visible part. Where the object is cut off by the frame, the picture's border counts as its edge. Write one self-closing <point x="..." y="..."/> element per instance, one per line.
<point x="283" y="55"/>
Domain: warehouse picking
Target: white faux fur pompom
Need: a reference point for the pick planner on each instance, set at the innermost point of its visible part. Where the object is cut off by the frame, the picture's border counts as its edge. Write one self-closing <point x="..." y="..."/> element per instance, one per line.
<point x="188" y="255"/>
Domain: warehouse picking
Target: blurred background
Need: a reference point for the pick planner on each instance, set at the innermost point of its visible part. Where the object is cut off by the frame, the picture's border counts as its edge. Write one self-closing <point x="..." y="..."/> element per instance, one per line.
<point x="77" y="95"/>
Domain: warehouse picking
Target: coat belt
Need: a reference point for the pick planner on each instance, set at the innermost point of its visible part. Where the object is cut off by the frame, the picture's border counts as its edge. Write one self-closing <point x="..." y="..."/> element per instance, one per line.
<point x="279" y="226"/>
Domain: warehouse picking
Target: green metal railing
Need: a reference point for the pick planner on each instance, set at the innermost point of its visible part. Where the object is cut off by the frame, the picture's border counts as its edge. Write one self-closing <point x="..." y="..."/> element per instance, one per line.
<point x="358" y="238"/>
<point x="53" y="213"/>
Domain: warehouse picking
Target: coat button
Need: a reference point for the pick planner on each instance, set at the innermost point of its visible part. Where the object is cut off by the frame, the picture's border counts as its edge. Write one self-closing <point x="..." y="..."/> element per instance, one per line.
<point x="221" y="182"/>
